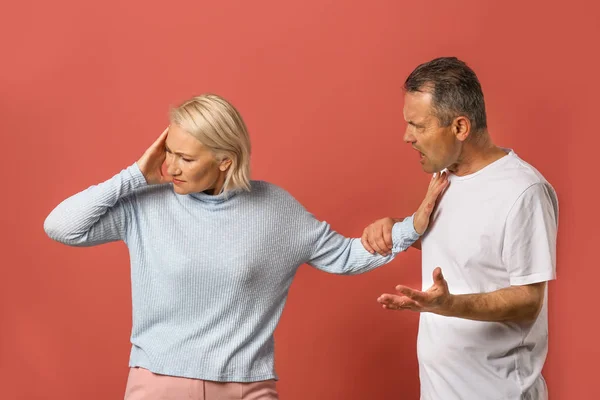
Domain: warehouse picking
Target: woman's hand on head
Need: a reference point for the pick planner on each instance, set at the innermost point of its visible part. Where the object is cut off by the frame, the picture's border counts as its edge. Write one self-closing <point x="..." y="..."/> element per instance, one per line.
<point x="151" y="162"/>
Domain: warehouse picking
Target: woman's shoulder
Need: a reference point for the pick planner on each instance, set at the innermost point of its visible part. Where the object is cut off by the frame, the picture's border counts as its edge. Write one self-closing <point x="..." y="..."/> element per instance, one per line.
<point x="151" y="193"/>
<point x="267" y="190"/>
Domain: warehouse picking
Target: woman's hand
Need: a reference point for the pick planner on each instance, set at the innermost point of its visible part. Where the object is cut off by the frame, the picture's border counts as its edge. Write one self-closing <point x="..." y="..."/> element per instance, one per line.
<point x="377" y="237"/>
<point x="151" y="162"/>
<point x="438" y="183"/>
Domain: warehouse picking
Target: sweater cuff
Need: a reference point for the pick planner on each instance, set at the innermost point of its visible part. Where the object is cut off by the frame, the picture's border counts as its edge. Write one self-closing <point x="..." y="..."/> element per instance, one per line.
<point x="404" y="235"/>
<point x="137" y="178"/>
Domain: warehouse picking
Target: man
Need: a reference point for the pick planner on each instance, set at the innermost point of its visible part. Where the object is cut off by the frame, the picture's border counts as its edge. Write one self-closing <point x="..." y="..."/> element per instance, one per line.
<point x="483" y="331"/>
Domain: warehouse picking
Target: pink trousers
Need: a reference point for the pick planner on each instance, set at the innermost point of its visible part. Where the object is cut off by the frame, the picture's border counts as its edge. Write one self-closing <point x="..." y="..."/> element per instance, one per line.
<point x="145" y="385"/>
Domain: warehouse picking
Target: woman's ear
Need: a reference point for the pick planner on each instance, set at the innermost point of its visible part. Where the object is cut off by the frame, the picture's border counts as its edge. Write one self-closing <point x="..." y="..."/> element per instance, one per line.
<point x="224" y="164"/>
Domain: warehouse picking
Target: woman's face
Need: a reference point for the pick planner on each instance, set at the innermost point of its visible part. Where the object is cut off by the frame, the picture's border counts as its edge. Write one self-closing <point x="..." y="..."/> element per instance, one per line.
<point x="192" y="166"/>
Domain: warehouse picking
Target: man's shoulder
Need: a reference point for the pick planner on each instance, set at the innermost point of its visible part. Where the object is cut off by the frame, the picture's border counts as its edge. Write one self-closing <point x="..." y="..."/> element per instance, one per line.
<point x="522" y="180"/>
<point x="520" y="175"/>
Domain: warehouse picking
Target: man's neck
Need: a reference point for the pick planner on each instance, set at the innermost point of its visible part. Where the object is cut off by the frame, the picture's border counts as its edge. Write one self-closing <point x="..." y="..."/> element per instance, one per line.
<point x="476" y="155"/>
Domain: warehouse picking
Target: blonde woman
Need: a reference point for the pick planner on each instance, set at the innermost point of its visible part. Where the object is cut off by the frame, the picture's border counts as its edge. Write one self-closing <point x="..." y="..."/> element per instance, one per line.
<point x="212" y="253"/>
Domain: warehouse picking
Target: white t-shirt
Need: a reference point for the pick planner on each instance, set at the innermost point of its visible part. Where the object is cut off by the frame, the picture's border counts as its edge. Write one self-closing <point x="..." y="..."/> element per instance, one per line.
<point x="492" y="229"/>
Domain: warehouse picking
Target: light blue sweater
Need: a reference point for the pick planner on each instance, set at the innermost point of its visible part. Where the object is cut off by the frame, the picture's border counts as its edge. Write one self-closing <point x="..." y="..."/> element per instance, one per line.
<point x="210" y="274"/>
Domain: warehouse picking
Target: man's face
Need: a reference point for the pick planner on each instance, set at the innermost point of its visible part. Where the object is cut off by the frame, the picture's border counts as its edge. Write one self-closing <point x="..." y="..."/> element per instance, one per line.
<point x="438" y="146"/>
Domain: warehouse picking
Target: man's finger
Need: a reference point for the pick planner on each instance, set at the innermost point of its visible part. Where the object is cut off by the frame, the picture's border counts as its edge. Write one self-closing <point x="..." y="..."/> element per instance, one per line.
<point x="438" y="277"/>
<point x="374" y="242"/>
<point x="412" y="294"/>
<point x="395" y="302"/>
<point x="389" y="301"/>
<point x="387" y="237"/>
<point x="385" y="249"/>
<point x="365" y="242"/>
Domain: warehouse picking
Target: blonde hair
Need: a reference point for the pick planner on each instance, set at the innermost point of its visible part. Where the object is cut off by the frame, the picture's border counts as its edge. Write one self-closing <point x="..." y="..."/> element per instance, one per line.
<point x="219" y="126"/>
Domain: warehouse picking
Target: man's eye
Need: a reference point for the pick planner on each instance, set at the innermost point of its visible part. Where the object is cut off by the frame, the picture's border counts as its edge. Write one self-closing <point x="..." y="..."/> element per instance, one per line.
<point x="187" y="159"/>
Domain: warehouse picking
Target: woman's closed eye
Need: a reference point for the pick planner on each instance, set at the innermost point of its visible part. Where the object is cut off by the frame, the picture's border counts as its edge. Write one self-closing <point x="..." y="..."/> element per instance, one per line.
<point x="186" y="159"/>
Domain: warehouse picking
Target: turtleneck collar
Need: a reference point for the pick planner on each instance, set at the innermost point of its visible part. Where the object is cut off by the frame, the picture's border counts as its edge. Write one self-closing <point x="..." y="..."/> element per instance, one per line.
<point x="217" y="198"/>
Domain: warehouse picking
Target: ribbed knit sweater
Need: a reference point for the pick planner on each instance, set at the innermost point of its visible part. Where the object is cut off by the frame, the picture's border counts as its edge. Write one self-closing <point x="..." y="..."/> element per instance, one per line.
<point x="210" y="273"/>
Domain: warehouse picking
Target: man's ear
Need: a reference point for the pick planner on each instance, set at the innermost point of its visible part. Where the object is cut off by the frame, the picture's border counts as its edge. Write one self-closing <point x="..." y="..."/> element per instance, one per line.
<point x="461" y="126"/>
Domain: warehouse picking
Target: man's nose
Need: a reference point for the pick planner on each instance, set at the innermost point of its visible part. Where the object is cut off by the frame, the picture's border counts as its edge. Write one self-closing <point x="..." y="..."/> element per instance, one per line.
<point x="408" y="136"/>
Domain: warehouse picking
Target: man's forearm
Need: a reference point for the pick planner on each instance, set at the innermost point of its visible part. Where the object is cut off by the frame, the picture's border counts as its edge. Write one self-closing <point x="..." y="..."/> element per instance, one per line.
<point x="516" y="303"/>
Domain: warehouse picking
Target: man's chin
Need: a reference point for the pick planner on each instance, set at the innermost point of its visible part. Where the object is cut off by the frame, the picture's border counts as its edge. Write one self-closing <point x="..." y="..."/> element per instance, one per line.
<point x="429" y="169"/>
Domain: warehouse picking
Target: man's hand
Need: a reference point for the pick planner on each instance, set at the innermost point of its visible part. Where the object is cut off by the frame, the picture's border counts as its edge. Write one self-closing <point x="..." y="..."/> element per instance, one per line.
<point x="436" y="299"/>
<point x="514" y="303"/>
<point x="377" y="237"/>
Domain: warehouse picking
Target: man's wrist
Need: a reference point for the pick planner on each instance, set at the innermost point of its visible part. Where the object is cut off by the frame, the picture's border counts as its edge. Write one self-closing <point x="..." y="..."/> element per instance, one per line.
<point x="446" y="308"/>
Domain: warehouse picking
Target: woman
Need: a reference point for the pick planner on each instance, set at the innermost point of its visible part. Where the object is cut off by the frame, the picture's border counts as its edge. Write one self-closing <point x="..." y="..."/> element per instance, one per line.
<point x="212" y="253"/>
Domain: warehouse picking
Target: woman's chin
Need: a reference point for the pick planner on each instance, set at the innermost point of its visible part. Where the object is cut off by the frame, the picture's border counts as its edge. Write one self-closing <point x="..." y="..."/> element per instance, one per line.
<point x="180" y="190"/>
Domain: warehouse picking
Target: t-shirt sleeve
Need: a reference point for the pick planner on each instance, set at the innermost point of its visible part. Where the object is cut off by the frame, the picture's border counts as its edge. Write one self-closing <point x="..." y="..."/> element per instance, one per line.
<point x="529" y="246"/>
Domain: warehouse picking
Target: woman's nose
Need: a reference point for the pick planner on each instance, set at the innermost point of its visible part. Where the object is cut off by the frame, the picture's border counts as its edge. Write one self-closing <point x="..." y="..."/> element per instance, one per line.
<point x="172" y="168"/>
